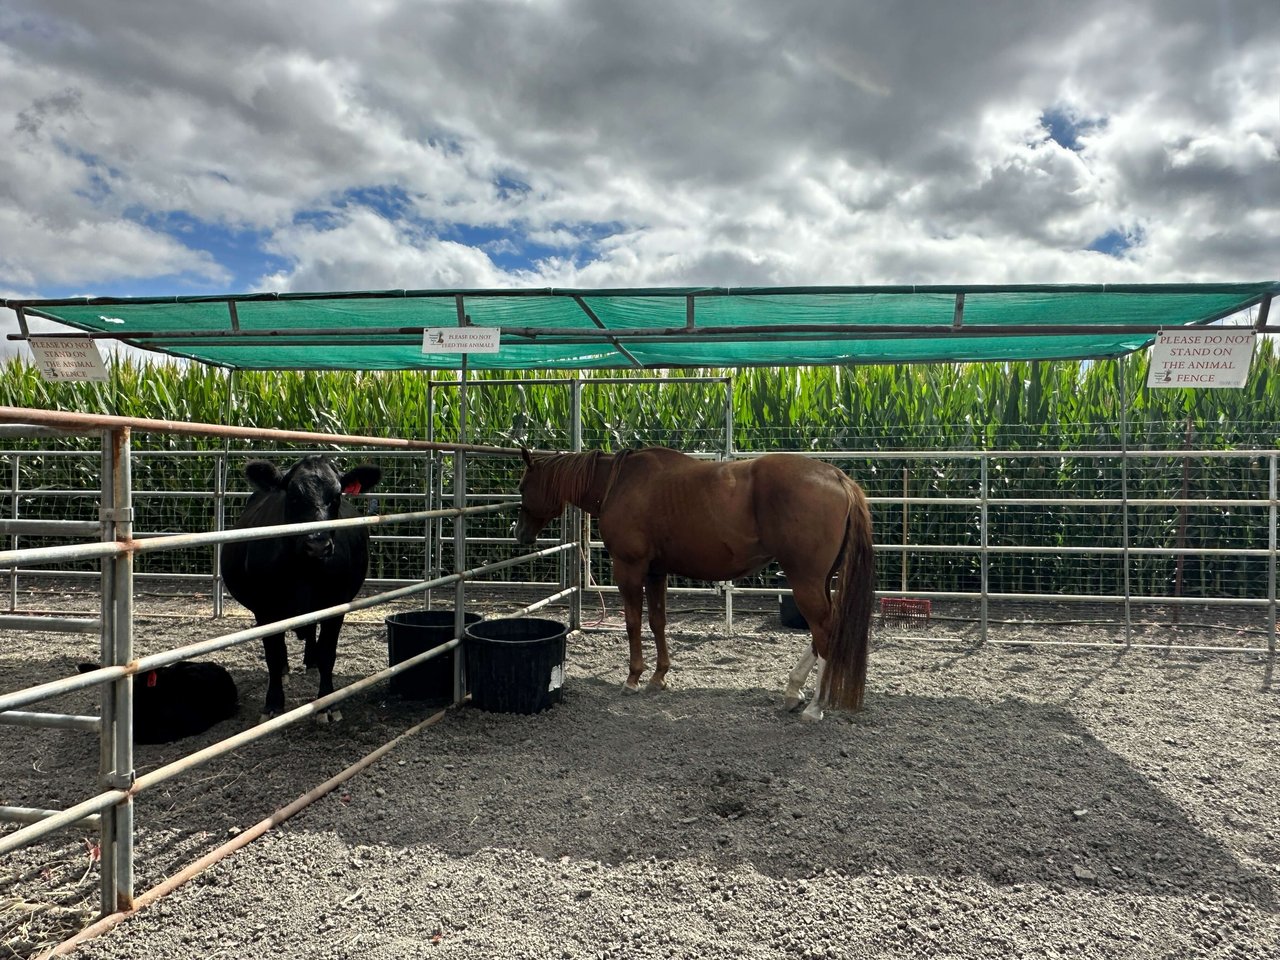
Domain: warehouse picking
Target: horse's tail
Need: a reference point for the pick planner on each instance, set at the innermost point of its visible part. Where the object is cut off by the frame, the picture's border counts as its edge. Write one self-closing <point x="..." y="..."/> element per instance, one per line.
<point x="845" y="675"/>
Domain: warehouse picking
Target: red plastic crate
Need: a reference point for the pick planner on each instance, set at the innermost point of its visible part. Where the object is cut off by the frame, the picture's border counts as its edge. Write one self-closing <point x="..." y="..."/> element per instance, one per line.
<point x="904" y="609"/>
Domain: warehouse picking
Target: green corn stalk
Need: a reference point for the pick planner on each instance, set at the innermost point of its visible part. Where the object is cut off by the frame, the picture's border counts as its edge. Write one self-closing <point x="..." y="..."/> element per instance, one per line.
<point x="1017" y="406"/>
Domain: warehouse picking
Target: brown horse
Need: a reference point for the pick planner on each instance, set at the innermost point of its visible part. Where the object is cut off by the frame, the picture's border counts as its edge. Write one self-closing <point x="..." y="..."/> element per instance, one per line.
<point x="663" y="512"/>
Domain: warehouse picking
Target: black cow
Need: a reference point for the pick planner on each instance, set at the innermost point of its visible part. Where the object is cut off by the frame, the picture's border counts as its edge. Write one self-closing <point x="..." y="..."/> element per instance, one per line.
<point x="179" y="700"/>
<point x="284" y="577"/>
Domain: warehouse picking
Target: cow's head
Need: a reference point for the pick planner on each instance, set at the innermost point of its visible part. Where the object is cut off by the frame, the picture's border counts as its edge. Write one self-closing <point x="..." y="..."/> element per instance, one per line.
<point x="312" y="490"/>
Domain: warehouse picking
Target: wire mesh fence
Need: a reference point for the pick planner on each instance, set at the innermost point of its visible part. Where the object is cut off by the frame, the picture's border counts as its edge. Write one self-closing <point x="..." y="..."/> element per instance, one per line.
<point x="1121" y="518"/>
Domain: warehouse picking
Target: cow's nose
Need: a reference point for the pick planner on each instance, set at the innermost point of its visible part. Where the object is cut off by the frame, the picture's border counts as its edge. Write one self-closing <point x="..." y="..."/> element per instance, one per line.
<point x="319" y="546"/>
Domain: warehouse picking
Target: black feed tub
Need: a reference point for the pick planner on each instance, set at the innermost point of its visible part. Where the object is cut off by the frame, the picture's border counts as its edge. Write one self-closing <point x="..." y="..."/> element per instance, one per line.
<point x="415" y="632"/>
<point x="515" y="665"/>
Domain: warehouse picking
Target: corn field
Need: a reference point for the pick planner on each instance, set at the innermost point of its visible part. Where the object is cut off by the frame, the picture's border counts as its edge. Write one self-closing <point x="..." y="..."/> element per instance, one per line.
<point x="1034" y="411"/>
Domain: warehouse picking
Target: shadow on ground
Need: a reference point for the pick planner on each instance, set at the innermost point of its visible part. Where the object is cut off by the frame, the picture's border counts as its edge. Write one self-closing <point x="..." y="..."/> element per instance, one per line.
<point x="1012" y="792"/>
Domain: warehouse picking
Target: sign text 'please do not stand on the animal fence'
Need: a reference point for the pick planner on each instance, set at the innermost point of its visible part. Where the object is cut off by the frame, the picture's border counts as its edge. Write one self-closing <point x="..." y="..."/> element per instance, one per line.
<point x="1201" y="358"/>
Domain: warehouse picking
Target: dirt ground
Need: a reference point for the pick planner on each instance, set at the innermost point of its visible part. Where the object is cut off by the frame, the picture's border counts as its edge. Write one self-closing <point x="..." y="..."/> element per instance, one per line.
<point x="990" y="801"/>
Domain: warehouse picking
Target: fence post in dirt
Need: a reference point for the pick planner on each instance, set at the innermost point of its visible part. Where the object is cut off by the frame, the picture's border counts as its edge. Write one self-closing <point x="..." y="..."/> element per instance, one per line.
<point x="1180" y="562"/>
<point x="460" y="521"/>
<point x="220" y="466"/>
<point x="116" y="756"/>
<point x="15" y="486"/>
<point x="906" y="508"/>
<point x="728" y="457"/>
<point x="576" y="520"/>
<point x="431" y="534"/>
<point x="221" y="474"/>
<point x="1124" y="497"/>
<point x="1271" y="556"/>
<point x="984" y="539"/>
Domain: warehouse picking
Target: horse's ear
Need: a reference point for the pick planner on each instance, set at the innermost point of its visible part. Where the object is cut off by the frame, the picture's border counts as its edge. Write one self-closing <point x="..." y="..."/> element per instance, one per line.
<point x="526" y="456"/>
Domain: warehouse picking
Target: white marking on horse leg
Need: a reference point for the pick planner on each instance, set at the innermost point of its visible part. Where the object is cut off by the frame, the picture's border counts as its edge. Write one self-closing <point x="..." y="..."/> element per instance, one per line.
<point x="813" y="712"/>
<point x="797" y="677"/>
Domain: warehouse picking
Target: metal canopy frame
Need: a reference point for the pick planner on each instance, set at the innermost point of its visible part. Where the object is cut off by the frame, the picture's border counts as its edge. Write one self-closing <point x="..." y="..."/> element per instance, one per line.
<point x="879" y="315"/>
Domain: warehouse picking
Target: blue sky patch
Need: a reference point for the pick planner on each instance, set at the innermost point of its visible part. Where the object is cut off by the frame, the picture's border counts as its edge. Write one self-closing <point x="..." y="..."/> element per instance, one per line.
<point x="240" y="252"/>
<point x="1114" y="243"/>
<point x="1065" y="128"/>
<point x="387" y="200"/>
<point x="511" y="249"/>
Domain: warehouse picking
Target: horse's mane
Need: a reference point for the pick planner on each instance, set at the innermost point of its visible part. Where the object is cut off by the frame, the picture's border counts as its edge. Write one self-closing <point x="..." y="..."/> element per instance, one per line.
<point x="569" y="475"/>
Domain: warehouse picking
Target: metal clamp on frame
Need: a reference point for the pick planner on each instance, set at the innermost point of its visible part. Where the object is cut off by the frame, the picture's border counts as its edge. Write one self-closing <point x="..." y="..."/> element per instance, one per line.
<point x="114" y="780"/>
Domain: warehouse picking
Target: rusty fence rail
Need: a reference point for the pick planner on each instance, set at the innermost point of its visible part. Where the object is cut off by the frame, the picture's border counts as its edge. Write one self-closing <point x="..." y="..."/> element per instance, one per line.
<point x="111" y="809"/>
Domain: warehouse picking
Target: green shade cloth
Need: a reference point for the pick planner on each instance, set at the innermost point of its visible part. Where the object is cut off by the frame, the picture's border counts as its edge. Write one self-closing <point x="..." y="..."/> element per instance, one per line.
<point x="553" y="329"/>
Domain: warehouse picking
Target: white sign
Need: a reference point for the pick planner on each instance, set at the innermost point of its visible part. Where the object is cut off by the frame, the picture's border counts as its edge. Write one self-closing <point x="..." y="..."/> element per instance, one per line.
<point x="1200" y="358"/>
<point x="68" y="358"/>
<point x="460" y="340"/>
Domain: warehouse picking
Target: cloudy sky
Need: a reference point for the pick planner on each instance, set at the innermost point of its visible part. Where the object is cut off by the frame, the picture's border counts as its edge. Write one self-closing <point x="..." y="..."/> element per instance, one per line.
<point x="244" y="145"/>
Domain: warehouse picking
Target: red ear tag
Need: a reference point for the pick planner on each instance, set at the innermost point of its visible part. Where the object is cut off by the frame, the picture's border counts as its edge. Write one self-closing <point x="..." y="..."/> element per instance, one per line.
<point x="151" y="679"/>
<point x="352" y="488"/>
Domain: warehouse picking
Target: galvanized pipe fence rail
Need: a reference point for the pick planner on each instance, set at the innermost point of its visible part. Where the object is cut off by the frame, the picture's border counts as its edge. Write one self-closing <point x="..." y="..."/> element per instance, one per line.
<point x="446" y="494"/>
<point x="993" y="540"/>
<point x="110" y="810"/>
<point x="988" y="543"/>
<point x="986" y="498"/>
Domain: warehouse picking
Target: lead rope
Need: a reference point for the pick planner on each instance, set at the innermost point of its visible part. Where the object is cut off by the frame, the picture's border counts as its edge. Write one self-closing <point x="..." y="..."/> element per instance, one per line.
<point x="582" y="554"/>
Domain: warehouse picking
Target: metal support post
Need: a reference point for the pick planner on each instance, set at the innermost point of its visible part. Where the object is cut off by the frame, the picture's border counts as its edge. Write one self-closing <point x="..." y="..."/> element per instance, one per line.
<point x="14" y="489"/>
<point x="460" y="521"/>
<point x="428" y="528"/>
<point x="729" y="448"/>
<point x="577" y="520"/>
<point x="1124" y="498"/>
<point x="906" y="520"/>
<point x="1271" y="557"/>
<point x="222" y="474"/>
<point x="728" y="457"/>
<point x="220" y="467"/>
<point x="985" y="536"/>
<point x="117" y="650"/>
<point x="106" y="655"/>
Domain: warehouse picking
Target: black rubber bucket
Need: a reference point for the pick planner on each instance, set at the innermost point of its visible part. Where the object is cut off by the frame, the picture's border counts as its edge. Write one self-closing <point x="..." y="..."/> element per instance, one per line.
<point x="515" y="665"/>
<point x="415" y="632"/>
<point x="789" y="614"/>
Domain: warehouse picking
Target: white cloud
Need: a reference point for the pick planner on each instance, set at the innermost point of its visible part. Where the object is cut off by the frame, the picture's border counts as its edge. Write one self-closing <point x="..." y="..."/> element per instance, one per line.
<point x="666" y="142"/>
<point x="368" y="252"/>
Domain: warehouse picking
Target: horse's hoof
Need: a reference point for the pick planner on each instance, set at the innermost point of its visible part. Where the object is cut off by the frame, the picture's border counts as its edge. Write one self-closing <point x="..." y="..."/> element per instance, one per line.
<point x="656" y="686"/>
<point x="629" y="687"/>
<point x="265" y="716"/>
<point x="792" y="704"/>
<point x="811" y="716"/>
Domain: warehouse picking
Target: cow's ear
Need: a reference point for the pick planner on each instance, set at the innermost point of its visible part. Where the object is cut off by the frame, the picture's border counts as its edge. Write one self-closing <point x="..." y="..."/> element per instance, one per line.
<point x="526" y="456"/>
<point x="263" y="475"/>
<point x="361" y="480"/>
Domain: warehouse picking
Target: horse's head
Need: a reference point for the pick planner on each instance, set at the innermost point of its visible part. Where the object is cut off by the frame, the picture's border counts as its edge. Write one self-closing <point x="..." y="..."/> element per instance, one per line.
<point x="540" y="499"/>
